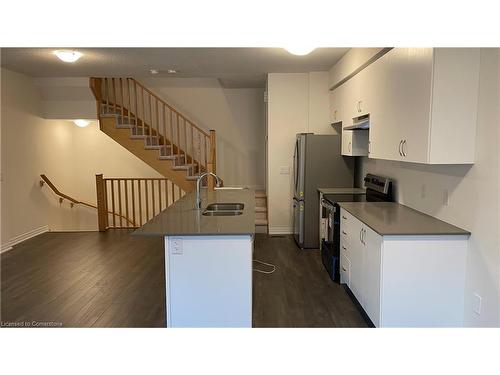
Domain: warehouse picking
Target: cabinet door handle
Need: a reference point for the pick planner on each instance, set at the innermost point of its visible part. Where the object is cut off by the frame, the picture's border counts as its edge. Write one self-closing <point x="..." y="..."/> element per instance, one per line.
<point x="349" y="147"/>
<point x="403" y="148"/>
<point x="344" y="233"/>
<point x="343" y="269"/>
<point x="343" y="217"/>
<point x="400" y="144"/>
<point x="361" y="235"/>
<point x="369" y="146"/>
<point x="364" y="236"/>
<point x="343" y="247"/>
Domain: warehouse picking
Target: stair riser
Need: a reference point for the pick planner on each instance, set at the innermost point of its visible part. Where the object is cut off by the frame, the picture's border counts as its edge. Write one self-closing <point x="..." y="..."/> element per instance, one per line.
<point x="261" y="215"/>
<point x="260" y="228"/>
<point x="260" y="201"/>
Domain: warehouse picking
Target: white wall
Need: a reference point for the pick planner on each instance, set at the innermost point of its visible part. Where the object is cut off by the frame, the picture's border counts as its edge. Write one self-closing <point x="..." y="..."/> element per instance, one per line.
<point x="297" y="103"/>
<point x="237" y="115"/>
<point x="68" y="155"/>
<point x="66" y="98"/>
<point x="352" y="62"/>
<point x="474" y="195"/>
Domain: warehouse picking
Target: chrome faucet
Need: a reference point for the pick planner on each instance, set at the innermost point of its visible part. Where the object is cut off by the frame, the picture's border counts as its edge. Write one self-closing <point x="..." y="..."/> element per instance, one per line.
<point x="198" y="186"/>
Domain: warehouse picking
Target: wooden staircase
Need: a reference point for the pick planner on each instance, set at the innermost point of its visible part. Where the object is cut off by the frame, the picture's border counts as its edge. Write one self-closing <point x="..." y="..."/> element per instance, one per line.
<point x="154" y="131"/>
<point x="260" y="212"/>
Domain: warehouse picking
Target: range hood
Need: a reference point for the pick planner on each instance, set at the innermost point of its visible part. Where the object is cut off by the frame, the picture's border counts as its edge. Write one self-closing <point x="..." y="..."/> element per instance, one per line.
<point x="360" y="123"/>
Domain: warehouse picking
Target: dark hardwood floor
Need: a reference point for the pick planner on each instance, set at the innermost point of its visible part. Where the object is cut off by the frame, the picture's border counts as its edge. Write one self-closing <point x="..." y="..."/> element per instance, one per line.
<point x="115" y="280"/>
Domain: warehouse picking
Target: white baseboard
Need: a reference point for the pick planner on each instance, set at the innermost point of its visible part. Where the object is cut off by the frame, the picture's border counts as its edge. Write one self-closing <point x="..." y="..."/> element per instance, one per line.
<point x="280" y="230"/>
<point x="23" y="237"/>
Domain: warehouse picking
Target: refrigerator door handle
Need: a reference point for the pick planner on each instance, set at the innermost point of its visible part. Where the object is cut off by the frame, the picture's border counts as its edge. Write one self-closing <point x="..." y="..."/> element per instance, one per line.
<point x="295" y="165"/>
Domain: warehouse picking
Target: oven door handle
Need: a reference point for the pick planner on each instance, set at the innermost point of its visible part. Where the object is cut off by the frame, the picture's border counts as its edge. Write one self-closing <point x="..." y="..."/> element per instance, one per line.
<point x="327" y="205"/>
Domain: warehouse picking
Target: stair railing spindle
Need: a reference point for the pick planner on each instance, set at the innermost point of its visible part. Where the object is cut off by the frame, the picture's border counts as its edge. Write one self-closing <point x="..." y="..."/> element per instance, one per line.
<point x="143" y="115"/>
<point x="178" y="137"/>
<point x="121" y="99"/>
<point x="133" y="203"/>
<point x="129" y="101"/>
<point x="114" y="94"/>
<point x="150" y="121"/>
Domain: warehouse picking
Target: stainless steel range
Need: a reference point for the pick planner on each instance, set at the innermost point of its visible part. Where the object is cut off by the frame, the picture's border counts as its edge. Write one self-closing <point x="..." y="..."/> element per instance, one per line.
<point x="378" y="189"/>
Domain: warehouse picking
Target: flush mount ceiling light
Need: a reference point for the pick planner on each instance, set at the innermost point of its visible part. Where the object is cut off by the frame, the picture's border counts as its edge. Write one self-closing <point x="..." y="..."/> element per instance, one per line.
<point x="68" y="55"/>
<point x="154" y="71"/>
<point x="81" y="123"/>
<point x="171" y="71"/>
<point x="300" y="50"/>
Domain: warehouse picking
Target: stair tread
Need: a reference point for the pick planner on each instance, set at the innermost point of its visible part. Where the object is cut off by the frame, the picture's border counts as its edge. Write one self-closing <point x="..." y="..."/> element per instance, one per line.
<point x="260" y="209"/>
<point x="261" y="222"/>
<point x="181" y="167"/>
<point x="260" y="194"/>
<point x="170" y="157"/>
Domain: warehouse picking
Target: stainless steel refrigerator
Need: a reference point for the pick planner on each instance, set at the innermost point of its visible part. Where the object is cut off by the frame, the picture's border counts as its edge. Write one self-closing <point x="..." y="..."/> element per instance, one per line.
<point x="317" y="162"/>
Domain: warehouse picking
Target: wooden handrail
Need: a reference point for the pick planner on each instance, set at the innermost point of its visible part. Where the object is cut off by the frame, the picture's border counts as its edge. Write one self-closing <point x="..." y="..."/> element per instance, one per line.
<point x="168" y="105"/>
<point x="156" y="120"/>
<point x="61" y="195"/>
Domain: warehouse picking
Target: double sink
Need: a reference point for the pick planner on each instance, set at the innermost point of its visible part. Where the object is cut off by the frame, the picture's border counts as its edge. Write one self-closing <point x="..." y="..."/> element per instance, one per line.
<point x="224" y="209"/>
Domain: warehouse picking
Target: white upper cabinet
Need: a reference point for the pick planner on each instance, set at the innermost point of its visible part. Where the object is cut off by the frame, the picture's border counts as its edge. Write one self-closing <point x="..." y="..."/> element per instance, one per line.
<point x="424" y="105"/>
<point x="335" y="105"/>
<point x="352" y="104"/>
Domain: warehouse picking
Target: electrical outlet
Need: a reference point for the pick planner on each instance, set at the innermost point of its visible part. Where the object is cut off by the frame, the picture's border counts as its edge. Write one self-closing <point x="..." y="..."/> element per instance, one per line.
<point x="285" y="169"/>
<point x="177" y="248"/>
<point x="476" y="305"/>
<point x="446" y="197"/>
<point x="423" y="191"/>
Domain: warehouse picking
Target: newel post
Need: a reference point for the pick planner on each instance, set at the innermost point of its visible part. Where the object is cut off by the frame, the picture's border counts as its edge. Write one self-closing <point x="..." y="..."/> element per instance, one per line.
<point x="212" y="162"/>
<point x="102" y="215"/>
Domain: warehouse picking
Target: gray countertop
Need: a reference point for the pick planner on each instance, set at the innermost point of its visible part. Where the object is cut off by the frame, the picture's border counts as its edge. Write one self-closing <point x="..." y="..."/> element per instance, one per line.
<point x="182" y="218"/>
<point x="389" y="218"/>
<point x="342" y="190"/>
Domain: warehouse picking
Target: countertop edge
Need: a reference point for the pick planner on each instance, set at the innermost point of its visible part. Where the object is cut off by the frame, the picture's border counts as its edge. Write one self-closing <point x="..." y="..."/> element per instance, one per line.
<point x="462" y="233"/>
<point x="182" y="219"/>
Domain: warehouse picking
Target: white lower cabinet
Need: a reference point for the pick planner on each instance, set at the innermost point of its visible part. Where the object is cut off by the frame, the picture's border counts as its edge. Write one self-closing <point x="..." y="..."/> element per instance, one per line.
<point x="404" y="280"/>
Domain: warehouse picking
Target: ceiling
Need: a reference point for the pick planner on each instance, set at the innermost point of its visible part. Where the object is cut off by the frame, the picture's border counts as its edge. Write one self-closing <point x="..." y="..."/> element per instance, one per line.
<point x="234" y="67"/>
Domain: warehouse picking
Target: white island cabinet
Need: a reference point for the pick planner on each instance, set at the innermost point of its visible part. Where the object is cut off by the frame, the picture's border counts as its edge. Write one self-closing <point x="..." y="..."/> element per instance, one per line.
<point x="209" y="281"/>
<point x="208" y="258"/>
<point x="403" y="277"/>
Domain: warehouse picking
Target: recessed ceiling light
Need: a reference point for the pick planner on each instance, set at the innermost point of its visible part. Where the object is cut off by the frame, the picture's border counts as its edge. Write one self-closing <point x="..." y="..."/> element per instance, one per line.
<point x="81" y="123"/>
<point x="171" y="71"/>
<point x="154" y="71"/>
<point x="68" y="55"/>
<point x="300" y="50"/>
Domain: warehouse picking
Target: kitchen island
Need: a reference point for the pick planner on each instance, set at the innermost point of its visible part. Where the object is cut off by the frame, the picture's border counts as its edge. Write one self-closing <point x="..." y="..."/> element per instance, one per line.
<point x="208" y="258"/>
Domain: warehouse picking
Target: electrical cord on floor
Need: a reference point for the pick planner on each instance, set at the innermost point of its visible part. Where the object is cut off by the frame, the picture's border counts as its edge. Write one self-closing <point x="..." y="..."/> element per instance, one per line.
<point x="266" y="264"/>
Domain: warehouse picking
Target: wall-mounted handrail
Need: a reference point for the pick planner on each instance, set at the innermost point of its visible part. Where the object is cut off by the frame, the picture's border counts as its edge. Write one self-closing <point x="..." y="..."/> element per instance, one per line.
<point x="62" y="196"/>
<point x="46" y="180"/>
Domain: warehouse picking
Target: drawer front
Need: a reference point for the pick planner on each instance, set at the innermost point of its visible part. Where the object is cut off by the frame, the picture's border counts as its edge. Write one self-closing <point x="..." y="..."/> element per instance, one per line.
<point x="349" y="228"/>
<point x="345" y="270"/>
<point x="345" y="248"/>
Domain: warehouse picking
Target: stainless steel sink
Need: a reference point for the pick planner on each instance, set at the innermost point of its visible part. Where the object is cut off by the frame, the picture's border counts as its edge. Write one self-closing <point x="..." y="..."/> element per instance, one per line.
<point x="221" y="213"/>
<point x="225" y="207"/>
